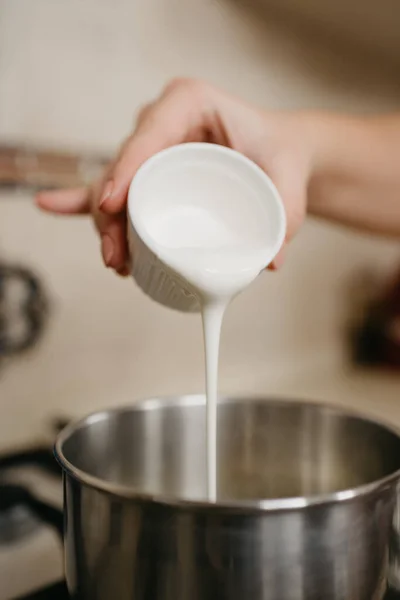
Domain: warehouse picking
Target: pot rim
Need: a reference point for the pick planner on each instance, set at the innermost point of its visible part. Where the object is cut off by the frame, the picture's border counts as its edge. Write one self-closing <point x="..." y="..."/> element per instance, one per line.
<point x="268" y="505"/>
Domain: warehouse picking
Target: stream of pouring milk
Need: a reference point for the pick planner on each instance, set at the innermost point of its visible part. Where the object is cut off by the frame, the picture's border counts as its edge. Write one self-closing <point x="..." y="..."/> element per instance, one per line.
<point x="217" y="257"/>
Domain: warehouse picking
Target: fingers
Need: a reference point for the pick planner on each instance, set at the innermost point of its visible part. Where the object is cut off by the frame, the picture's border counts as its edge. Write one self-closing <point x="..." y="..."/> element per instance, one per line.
<point x="124" y="272"/>
<point x="177" y="116"/>
<point x="67" y="202"/>
<point x="112" y="229"/>
<point x="279" y="260"/>
<point x="113" y="241"/>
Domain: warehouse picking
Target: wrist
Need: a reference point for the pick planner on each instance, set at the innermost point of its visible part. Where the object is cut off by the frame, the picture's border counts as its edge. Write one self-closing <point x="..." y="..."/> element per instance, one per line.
<point x="337" y="143"/>
<point x="322" y="134"/>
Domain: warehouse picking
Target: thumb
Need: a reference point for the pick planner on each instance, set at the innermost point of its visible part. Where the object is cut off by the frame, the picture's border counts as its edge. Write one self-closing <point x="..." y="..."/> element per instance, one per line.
<point x="66" y="202"/>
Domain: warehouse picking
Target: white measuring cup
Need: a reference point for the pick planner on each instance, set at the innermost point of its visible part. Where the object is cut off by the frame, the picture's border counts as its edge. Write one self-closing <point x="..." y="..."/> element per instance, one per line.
<point x="191" y="178"/>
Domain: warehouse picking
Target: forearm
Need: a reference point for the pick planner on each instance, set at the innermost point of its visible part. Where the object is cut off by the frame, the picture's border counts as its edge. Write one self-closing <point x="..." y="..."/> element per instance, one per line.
<point x="356" y="179"/>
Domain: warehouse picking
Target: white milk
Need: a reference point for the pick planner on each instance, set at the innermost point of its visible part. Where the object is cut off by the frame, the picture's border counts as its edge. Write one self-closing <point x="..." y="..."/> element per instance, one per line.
<point x="203" y="227"/>
<point x="217" y="261"/>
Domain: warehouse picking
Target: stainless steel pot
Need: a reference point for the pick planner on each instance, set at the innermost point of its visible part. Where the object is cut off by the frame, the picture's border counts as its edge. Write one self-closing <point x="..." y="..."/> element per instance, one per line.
<point x="305" y="506"/>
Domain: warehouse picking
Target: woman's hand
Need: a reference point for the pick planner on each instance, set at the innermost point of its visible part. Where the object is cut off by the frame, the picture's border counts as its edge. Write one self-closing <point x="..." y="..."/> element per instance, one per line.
<point x="192" y="111"/>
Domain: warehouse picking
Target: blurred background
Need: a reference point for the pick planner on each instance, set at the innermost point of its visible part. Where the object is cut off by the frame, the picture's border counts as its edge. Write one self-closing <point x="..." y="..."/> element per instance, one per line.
<point x="73" y="337"/>
<point x="72" y="76"/>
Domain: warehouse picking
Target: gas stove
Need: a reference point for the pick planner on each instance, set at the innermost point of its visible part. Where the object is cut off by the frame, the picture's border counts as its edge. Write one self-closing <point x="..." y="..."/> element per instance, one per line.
<point x="31" y="521"/>
<point x="59" y="592"/>
<point x="31" y="527"/>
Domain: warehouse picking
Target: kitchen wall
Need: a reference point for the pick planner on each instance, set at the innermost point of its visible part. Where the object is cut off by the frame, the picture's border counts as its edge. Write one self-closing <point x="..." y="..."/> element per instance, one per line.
<point x="365" y="26"/>
<point x="72" y="75"/>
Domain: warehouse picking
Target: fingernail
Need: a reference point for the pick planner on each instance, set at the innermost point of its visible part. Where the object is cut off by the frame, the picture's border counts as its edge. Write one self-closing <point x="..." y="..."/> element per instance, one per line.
<point x="107" y="249"/>
<point x="124" y="272"/>
<point x="106" y="193"/>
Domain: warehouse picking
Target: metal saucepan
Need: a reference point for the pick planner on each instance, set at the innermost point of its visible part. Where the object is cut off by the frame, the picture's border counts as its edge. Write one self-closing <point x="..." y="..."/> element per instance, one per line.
<point x="305" y="511"/>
